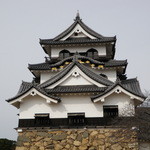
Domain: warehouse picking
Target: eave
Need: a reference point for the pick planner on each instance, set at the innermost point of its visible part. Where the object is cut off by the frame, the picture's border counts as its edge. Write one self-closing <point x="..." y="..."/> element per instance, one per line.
<point x="118" y="88"/>
<point x="32" y="92"/>
<point x="31" y="89"/>
<point x="95" y="78"/>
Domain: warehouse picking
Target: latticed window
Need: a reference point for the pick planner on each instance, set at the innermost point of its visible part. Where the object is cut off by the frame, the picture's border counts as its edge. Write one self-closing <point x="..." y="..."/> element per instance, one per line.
<point x="41" y="119"/>
<point x="110" y="110"/>
<point x="76" y="119"/>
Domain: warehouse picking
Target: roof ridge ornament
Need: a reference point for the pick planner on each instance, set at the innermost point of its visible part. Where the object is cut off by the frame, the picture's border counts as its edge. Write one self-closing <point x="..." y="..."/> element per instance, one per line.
<point x="77" y="16"/>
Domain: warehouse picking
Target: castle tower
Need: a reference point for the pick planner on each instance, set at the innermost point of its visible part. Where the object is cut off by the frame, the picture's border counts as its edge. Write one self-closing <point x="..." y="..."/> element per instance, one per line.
<point x="78" y="89"/>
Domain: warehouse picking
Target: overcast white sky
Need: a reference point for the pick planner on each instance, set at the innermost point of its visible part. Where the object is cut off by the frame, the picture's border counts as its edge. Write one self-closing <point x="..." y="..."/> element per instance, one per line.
<point x="23" y="22"/>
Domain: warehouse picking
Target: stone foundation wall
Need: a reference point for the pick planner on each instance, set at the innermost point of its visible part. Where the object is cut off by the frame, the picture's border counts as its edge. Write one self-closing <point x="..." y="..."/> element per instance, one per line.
<point x="77" y="139"/>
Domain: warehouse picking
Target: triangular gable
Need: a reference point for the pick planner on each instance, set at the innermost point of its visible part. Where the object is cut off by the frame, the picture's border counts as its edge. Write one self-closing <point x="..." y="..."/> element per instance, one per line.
<point x="117" y="89"/>
<point x="31" y="92"/>
<point x="75" y="74"/>
<point x="83" y="28"/>
<point x="78" y="32"/>
<point x="68" y="70"/>
<point x="76" y="79"/>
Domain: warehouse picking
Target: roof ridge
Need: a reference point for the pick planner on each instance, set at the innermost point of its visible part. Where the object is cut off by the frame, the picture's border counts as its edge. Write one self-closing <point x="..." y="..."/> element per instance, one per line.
<point x="55" y="77"/>
<point x="93" y="75"/>
<point x="138" y="93"/>
<point x="79" y="21"/>
<point x="46" y="65"/>
<point x="129" y="80"/>
<point x="24" y="89"/>
<point x="83" y="68"/>
<point x="59" y="36"/>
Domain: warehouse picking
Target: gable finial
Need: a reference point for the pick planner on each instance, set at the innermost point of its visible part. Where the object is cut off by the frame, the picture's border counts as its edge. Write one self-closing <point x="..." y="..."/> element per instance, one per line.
<point x="77" y="16"/>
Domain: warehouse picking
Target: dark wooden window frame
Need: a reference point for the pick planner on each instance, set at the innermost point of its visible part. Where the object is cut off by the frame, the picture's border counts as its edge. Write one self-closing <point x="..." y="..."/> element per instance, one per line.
<point x="110" y="110"/>
<point x="76" y="119"/>
<point x="42" y="119"/>
<point x="92" y="53"/>
<point x="64" y="54"/>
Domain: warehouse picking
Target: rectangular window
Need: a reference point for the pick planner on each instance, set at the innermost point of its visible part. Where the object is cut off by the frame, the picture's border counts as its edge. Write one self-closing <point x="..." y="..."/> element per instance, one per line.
<point x="76" y="119"/>
<point x="42" y="119"/>
<point x="110" y="110"/>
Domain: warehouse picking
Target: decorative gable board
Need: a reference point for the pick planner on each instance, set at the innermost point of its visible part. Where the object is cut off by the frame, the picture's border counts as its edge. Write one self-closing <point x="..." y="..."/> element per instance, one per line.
<point x="69" y="78"/>
<point x="76" y="80"/>
<point x="119" y="90"/>
<point x="31" y="93"/>
<point x="77" y="30"/>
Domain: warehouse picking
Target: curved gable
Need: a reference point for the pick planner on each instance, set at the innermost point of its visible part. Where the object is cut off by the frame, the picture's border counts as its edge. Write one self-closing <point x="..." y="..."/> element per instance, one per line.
<point x="118" y="89"/>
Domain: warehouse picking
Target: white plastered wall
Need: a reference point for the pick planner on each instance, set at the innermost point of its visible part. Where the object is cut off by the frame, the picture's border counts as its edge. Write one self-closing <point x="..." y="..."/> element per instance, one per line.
<point x="75" y="81"/>
<point x="78" y="103"/>
<point x="110" y="73"/>
<point x="46" y="76"/>
<point x="71" y="104"/>
<point x="125" y="104"/>
<point x="55" y="50"/>
<point x="81" y="31"/>
<point x="69" y="79"/>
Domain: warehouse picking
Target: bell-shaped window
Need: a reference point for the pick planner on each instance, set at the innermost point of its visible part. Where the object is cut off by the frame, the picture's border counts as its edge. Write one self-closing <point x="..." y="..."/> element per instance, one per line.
<point x="92" y="53"/>
<point x="64" y="54"/>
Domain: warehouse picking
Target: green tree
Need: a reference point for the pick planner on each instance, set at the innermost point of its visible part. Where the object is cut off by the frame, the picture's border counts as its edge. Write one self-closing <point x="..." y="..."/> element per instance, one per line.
<point x="6" y="144"/>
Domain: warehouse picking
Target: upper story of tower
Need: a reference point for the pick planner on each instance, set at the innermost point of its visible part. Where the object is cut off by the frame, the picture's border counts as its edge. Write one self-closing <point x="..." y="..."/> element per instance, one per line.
<point x="79" y="38"/>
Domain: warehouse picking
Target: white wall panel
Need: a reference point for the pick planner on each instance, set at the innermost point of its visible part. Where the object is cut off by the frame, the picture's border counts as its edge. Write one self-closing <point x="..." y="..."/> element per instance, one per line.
<point x="72" y="103"/>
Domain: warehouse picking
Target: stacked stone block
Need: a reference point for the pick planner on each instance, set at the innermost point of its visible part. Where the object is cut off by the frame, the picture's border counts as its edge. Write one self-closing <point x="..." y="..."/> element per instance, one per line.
<point x="78" y="139"/>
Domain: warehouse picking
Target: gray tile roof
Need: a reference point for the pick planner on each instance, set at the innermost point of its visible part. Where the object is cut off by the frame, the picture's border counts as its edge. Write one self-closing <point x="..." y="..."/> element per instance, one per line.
<point x="94" y="76"/>
<point x="116" y="63"/>
<point x="131" y="85"/>
<point x="47" y="65"/>
<point x="100" y="38"/>
<point x="58" y="76"/>
<point x="77" y="41"/>
<point x="88" y="72"/>
<point x="27" y="86"/>
<point x="76" y="89"/>
<point x="84" y="26"/>
<point x="40" y="66"/>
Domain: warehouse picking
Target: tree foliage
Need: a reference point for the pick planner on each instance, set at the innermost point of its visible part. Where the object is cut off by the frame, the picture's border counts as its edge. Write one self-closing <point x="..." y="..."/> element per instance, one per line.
<point x="6" y="144"/>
